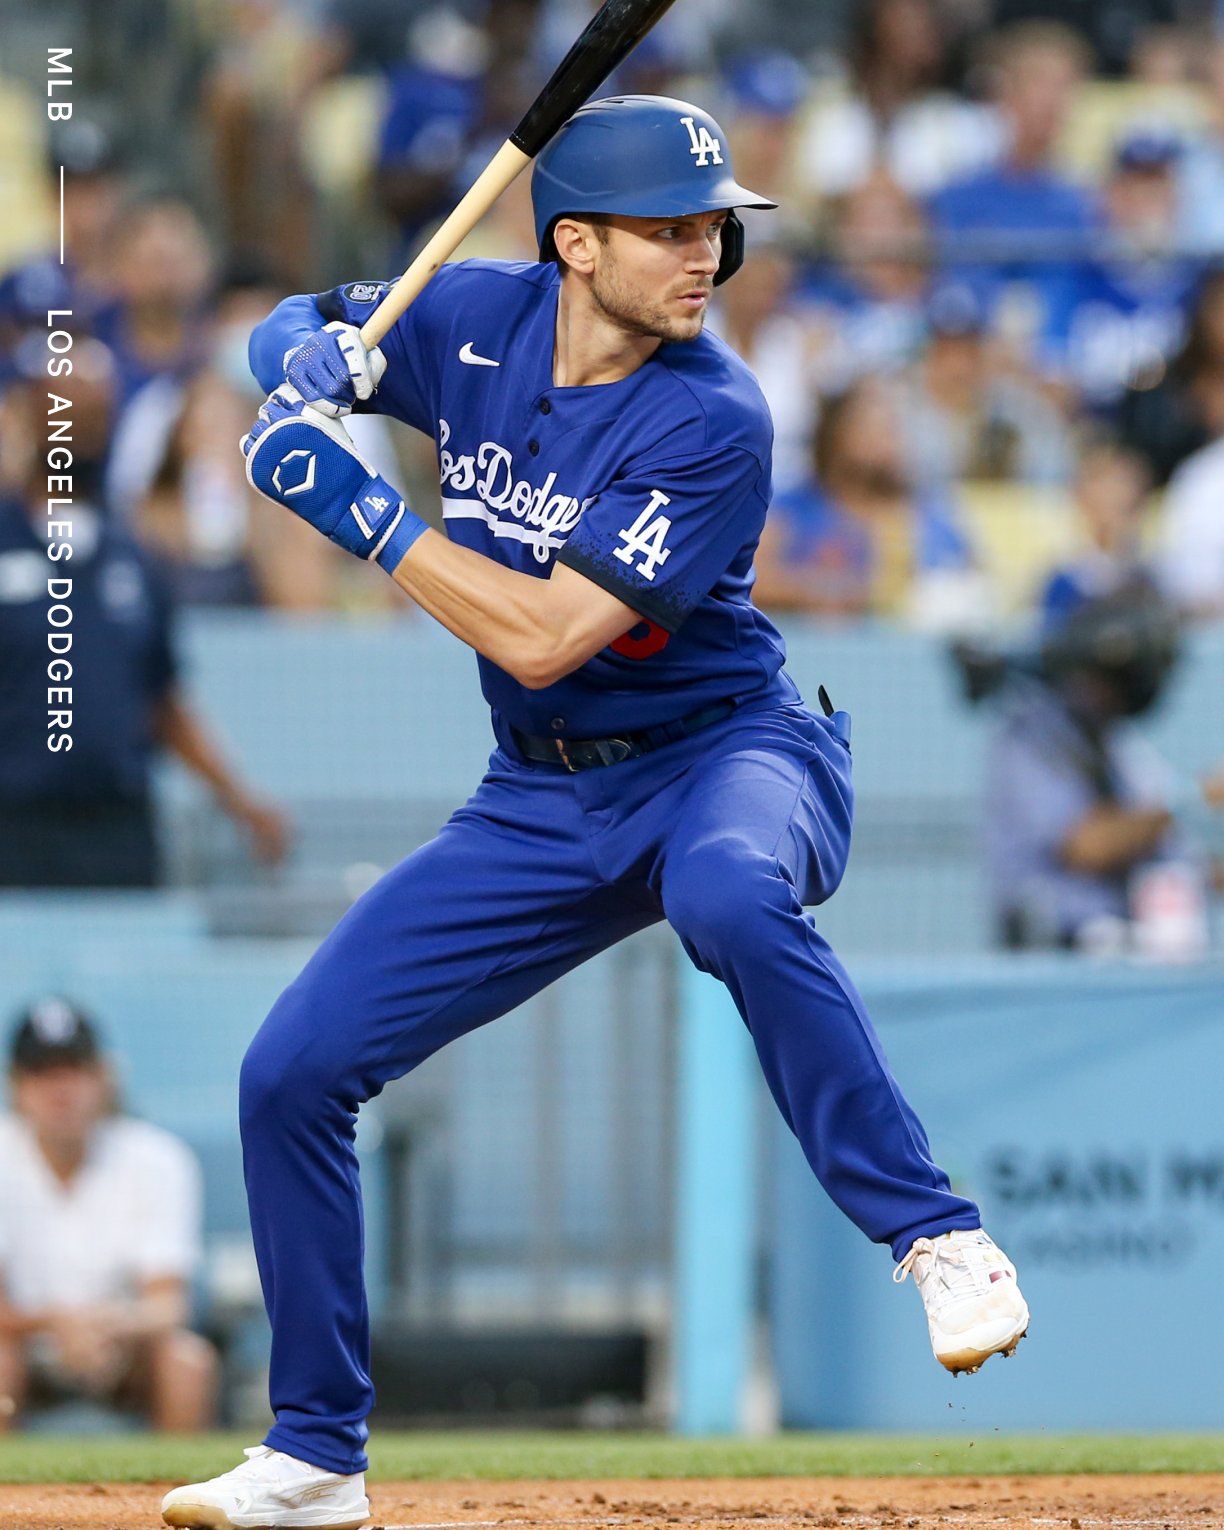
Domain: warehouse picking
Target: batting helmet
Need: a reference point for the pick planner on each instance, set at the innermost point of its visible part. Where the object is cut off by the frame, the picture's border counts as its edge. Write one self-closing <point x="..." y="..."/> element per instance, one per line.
<point x="644" y="157"/>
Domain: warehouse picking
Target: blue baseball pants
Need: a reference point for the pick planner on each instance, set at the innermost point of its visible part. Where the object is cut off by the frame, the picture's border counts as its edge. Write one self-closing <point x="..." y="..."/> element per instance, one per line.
<point x="726" y="834"/>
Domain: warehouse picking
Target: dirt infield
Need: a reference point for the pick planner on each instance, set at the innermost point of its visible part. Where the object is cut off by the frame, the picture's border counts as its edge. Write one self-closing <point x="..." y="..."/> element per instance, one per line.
<point x="916" y="1503"/>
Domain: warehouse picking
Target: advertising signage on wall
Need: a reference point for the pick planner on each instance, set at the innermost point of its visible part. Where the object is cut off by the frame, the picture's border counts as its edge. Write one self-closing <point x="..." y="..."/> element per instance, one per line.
<point x="1077" y="1102"/>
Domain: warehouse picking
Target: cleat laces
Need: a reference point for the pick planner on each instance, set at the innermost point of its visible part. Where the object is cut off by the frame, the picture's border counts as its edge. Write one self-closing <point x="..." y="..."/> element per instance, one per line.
<point x="951" y="1268"/>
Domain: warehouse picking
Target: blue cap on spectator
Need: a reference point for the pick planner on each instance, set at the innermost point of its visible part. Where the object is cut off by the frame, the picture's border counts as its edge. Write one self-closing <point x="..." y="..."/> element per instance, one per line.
<point x="955" y="308"/>
<point x="767" y="81"/>
<point x="1149" y="147"/>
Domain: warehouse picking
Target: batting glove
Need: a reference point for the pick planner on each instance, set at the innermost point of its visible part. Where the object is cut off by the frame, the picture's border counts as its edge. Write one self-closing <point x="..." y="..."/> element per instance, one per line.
<point x="308" y="463"/>
<point x="333" y="369"/>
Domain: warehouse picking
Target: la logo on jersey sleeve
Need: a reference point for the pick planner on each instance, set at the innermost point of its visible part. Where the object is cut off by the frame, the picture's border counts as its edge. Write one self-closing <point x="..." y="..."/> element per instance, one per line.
<point x="646" y="536"/>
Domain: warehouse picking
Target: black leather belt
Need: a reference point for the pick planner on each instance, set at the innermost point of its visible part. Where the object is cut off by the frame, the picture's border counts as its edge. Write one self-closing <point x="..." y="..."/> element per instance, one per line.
<point x="576" y="754"/>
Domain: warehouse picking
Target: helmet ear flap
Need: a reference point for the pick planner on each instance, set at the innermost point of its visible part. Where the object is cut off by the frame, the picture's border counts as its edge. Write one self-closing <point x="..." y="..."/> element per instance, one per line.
<point x="732" y="248"/>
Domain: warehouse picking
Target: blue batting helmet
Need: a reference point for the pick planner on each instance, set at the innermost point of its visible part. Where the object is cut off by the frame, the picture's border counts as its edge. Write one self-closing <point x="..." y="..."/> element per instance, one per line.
<point x="644" y="157"/>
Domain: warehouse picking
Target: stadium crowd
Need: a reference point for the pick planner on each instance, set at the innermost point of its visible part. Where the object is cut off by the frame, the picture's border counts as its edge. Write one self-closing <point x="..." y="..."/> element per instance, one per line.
<point x="989" y="306"/>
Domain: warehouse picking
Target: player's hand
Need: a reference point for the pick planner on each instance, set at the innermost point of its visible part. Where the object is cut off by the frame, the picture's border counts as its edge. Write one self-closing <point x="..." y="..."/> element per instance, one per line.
<point x="308" y="463"/>
<point x="333" y="369"/>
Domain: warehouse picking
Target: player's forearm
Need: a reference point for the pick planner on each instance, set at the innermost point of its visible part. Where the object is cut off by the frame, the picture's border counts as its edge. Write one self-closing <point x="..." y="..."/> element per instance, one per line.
<point x="538" y="630"/>
<point x="506" y="616"/>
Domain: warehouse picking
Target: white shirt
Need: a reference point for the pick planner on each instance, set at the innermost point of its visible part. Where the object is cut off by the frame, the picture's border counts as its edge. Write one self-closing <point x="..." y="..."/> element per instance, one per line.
<point x="1192" y="530"/>
<point x="131" y="1213"/>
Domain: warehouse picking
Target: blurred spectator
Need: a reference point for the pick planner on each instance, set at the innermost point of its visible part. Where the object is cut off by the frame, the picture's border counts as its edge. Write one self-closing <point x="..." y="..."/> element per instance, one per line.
<point x="1192" y="534"/>
<point x="1201" y="178"/>
<point x="99" y="1240"/>
<point x="683" y="42"/>
<point x="867" y="305"/>
<point x="175" y="476"/>
<point x="1175" y="410"/>
<point x="1111" y="489"/>
<point x="84" y="282"/>
<point x="1115" y="30"/>
<point x="435" y="108"/>
<point x="965" y="416"/>
<point x="859" y="539"/>
<point x="76" y="804"/>
<point x="1164" y="54"/>
<point x="265" y="65"/>
<point x="1019" y="228"/>
<point x="158" y="325"/>
<point x="363" y="36"/>
<point x="891" y="114"/>
<point x="759" y="318"/>
<point x="766" y="89"/>
<point x="451" y="105"/>
<point x="1082" y="849"/>
<point x="1161" y="88"/>
<point x="1126" y="314"/>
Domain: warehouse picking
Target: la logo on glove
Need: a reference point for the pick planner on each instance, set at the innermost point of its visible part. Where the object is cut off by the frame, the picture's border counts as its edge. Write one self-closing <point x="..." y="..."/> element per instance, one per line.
<point x="371" y="517"/>
<point x="284" y="482"/>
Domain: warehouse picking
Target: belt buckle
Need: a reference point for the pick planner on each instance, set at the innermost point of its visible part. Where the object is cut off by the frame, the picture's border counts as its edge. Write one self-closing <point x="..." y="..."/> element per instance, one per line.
<point x="612" y="751"/>
<point x="589" y="753"/>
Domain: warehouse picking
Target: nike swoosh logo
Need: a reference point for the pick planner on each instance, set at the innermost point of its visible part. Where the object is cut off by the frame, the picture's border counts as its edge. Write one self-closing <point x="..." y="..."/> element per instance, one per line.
<point x="473" y="360"/>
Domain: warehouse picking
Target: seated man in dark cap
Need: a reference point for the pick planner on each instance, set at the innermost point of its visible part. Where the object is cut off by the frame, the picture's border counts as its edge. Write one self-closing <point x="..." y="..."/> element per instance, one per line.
<point x="99" y="1237"/>
<point x="1083" y="849"/>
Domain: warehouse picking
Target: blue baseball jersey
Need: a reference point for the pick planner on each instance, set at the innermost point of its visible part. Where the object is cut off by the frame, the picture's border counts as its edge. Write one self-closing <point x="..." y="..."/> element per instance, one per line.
<point x="654" y="487"/>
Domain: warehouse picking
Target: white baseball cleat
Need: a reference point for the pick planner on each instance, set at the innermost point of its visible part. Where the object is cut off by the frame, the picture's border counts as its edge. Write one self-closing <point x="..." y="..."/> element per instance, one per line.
<point x="270" y="1491"/>
<point x="973" y="1305"/>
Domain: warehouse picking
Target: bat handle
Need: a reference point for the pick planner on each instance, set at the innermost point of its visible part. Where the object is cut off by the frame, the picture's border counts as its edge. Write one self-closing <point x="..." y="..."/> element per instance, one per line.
<point x="506" y="165"/>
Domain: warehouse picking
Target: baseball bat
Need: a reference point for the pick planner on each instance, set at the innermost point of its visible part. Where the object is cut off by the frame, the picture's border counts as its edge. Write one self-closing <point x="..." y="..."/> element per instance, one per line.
<point x="608" y="38"/>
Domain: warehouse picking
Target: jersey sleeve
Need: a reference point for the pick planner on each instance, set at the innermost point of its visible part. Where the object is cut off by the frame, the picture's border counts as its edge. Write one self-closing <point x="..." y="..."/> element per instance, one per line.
<point x="661" y="537"/>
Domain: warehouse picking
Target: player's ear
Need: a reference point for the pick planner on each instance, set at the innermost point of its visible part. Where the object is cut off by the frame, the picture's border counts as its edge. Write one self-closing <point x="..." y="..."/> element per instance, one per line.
<point x="576" y="242"/>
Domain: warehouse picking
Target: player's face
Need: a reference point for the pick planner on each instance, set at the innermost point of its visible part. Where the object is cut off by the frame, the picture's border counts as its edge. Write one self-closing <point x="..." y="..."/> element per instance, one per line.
<point x="654" y="276"/>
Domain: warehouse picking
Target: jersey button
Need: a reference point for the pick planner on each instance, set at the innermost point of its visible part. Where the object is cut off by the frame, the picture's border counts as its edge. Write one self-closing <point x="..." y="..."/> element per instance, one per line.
<point x="545" y="406"/>
<point x="534" y="448"/>
<point x="557" y="724"/>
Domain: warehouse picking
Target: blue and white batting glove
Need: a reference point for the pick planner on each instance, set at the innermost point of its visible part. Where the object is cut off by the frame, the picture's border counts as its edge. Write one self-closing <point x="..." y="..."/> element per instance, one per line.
<point x="333" y="369"/>
<point x="308" y="463"/>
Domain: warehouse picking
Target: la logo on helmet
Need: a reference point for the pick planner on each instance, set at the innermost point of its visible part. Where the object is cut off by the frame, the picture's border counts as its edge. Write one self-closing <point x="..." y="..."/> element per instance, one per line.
<point x="705" y="148"/>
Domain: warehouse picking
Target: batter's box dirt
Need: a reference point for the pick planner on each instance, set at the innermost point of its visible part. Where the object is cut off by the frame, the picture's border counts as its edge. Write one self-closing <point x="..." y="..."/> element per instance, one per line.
<point x="1171" y="1502"/>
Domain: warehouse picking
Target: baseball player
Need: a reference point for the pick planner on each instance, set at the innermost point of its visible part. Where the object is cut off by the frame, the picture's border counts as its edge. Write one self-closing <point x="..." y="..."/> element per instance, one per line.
<point x="605" y="471"/>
